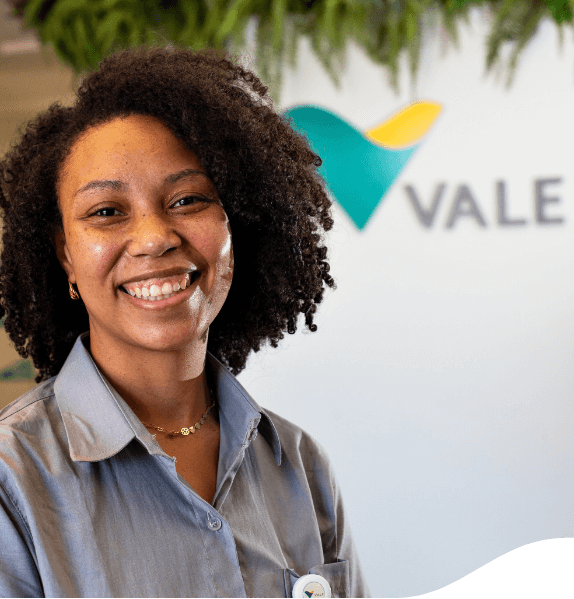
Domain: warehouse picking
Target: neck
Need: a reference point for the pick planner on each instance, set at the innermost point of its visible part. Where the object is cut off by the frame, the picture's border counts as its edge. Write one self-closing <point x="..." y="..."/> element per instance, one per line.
<point x="163" y="388"/>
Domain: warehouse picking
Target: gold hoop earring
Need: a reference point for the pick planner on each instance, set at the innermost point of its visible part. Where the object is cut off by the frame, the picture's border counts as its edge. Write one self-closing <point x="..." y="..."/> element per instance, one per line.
<point x="73" y="293"/>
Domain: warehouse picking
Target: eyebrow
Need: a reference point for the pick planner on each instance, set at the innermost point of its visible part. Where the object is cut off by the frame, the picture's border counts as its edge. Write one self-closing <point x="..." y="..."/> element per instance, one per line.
<point x="121" y="186"/>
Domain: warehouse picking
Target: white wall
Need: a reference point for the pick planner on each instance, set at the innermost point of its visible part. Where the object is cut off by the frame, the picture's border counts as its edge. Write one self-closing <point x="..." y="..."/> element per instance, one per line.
<point x="441" y="378"/>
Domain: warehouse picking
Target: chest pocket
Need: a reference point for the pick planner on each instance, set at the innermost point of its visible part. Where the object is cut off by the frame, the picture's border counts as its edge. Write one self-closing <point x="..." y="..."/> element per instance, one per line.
<point x="336" y="574"/>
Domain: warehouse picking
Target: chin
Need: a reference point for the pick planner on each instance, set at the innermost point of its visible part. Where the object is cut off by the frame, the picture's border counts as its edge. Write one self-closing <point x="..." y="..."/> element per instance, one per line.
<point x="171" y="340"/>
<point x="160" y="338"/>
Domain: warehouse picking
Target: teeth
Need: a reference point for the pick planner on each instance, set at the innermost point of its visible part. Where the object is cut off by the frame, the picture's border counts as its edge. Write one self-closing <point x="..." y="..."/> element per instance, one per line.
<point x="157" y="292"/>
<point x="155" y="298"/>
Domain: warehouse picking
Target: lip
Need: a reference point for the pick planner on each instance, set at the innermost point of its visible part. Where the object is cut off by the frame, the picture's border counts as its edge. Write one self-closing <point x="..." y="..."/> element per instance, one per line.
<point x="178" y="298"/>
<point x="160" y="274"/>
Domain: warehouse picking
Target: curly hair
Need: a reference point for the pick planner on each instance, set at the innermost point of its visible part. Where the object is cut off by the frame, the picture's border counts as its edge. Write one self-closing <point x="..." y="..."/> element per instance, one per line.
<point x="265" y="174"/>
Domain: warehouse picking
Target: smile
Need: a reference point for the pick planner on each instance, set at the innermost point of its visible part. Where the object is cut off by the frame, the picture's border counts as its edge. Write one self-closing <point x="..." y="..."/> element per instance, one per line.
<point x="158" y="289"/>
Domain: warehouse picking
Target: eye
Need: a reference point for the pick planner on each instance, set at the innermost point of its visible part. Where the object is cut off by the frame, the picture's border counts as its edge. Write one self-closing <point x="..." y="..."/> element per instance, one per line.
<point x="189" y="201"/>
<point x="107" y="211"/>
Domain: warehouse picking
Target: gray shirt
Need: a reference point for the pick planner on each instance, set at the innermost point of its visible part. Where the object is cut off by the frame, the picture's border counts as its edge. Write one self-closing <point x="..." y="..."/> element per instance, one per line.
<point x="91" y="506"/>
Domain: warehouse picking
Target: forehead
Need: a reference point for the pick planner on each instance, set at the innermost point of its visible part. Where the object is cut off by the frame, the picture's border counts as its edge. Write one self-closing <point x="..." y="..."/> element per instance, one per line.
<point x="129" y="147"/>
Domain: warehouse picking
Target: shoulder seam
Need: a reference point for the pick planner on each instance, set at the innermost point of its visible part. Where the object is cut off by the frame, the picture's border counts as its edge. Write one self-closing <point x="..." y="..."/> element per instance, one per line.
<point x="27" y="405"/>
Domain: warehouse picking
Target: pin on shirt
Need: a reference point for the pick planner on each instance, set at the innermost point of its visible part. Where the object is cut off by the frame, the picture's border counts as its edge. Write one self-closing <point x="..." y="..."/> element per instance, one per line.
<point x="311" y="585"/>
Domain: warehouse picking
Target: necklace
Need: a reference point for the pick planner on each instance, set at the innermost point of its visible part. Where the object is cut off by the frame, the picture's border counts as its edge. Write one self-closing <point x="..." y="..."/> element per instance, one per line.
<point x="185" y="430"/>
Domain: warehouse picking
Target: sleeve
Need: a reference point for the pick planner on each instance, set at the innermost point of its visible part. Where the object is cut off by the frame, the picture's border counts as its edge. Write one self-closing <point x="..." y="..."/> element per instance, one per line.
<point x="341" y="558"/>
<point x="19" y="576"/>
<point x="343" y="546"/>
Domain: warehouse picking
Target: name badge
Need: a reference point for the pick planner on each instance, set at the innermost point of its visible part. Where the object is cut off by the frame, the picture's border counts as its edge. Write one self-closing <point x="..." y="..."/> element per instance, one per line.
<point x="311" y="585"/>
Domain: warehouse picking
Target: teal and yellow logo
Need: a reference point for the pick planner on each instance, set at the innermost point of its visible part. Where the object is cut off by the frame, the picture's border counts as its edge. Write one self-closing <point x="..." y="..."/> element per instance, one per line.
<point x="361" y="167"/>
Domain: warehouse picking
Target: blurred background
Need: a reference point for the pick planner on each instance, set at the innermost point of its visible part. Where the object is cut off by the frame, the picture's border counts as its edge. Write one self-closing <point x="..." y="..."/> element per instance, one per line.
<point x="441" y="377"/>
<point x="31" y="78"/>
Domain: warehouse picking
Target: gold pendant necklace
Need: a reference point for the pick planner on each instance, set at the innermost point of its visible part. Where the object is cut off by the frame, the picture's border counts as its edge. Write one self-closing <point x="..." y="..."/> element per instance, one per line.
<point x="185" y="430"/>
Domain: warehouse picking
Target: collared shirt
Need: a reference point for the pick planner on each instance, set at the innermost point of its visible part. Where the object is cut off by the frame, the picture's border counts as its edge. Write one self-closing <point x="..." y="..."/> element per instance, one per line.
<point x="91" y="506"/>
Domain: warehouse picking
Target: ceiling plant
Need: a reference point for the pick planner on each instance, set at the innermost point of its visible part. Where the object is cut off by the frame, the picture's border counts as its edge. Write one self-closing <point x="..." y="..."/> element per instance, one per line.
<point x="83" y="31"/>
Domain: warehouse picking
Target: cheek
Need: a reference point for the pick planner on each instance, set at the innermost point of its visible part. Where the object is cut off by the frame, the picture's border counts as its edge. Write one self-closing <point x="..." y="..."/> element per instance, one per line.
<point x="223" y="277"/>
<point x="225" y="256"/>
<point x="213" y="240"/>
<point x="93" y="254"/>
<point x="226" y="265"/>
<point x="218" y="250"/>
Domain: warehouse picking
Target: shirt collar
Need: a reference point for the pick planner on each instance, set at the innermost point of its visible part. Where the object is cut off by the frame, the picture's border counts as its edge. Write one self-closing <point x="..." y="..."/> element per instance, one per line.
<point x="99" y="423"/>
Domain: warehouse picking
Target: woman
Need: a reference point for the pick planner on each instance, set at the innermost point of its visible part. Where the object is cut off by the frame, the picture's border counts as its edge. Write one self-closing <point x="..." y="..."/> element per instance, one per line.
<point x="139" y="466"/>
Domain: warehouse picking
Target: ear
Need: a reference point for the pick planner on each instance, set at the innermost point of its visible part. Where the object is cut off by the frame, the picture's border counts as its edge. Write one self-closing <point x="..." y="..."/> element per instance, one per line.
<point x="63" y="254"/>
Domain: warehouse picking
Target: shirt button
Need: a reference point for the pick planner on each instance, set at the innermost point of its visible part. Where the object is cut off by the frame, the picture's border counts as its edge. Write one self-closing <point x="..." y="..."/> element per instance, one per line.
<point x="214" y="524"/>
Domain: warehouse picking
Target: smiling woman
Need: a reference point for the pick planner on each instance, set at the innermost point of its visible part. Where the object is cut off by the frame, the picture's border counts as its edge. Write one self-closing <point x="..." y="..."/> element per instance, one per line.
<point x="155" y="233"/>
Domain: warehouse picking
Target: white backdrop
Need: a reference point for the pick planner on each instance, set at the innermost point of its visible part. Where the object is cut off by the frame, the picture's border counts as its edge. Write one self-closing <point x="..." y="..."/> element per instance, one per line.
<point x="441" y="378"/>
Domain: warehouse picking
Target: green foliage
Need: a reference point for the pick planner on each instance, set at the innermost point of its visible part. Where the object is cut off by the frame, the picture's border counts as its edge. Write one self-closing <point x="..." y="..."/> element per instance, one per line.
<point x="83" y="31"/>
<point x="22" y="370"/>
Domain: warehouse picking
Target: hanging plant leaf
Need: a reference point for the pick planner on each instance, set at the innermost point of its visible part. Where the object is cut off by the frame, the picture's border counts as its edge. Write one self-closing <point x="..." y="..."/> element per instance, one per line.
<point x="82" y="32"/>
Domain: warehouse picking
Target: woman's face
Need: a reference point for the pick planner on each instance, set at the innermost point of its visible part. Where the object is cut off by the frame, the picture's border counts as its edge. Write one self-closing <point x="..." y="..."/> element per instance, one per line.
<point x="142" y="218"/>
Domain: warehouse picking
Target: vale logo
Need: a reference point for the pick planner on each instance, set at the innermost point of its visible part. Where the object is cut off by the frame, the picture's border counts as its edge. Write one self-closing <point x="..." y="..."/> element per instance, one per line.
<point x="360" y="167"/>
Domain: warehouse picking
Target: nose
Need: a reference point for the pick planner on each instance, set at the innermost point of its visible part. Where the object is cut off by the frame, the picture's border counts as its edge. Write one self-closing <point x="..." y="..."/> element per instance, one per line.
<point x="152" y="234"/>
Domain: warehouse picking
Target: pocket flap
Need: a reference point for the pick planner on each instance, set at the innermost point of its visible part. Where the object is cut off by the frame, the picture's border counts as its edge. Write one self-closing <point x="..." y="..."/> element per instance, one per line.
<point x="336" y="574"/>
